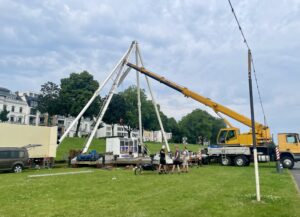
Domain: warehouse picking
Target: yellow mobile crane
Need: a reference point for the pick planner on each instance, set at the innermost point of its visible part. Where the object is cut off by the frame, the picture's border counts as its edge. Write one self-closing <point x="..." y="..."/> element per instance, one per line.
<point x="227" y="136"/>
<point x="237" y="147"/>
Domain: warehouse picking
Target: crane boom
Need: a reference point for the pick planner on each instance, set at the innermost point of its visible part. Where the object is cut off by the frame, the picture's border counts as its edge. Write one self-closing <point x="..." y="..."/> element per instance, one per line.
<point x="260" y="128"/>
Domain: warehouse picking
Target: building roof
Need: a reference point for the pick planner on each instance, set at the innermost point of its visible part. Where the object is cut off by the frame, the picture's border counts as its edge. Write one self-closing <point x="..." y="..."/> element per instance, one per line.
<point x="2" y="89"/>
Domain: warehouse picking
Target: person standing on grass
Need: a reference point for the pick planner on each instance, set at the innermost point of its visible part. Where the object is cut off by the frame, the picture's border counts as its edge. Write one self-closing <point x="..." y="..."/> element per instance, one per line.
<point x="176" y="160"/>
<point x="185" y="167"/>
<point x="162" y="160"/>
<point x="199" y="158"/>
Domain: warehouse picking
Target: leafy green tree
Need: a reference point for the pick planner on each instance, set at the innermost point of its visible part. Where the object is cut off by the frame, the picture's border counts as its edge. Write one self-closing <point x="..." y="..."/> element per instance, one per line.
<point x="116" y="111"/>
<point x="130" y="119"/>
<point x="200" y="124"/>
<point x="173" y="127"/>
<point x="123" y="110"/>
<point x="48" y="100"/>
<point x="75" y="92"/>
<point x="3" y="115"/>
<point x="149" y="118"/>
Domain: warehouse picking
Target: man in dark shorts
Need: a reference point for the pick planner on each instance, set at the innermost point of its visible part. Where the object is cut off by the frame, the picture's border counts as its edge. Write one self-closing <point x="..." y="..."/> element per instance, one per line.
<point x="176" y="160"/>
<point x="162" y="160"/>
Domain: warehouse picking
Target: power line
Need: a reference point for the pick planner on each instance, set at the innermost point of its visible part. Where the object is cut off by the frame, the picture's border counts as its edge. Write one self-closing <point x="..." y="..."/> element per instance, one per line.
<point x="252" y="61"/>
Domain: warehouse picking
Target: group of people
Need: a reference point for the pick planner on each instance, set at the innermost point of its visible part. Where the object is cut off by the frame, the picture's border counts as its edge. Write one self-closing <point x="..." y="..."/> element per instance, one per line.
<point x="177" y="160"/>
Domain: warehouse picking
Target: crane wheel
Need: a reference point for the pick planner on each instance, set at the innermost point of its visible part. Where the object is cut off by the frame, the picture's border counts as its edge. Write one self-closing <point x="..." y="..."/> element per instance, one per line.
<point x="287" y="162"/>
<point x="240" y="161"/>
<point x="226" y="161"/>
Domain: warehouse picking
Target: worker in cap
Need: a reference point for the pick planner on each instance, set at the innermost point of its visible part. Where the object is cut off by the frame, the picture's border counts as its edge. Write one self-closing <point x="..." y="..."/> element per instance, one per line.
<point x="162" y="160"/>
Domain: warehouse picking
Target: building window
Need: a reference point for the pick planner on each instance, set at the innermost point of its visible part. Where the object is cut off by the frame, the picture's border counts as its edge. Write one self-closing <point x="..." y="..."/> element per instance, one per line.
<point x="61" y="122"/>
<point x="12" y="119"/>
<point x="42" y="120"/>
<point x="20" y="120"/>
<point x="120" y="128"/>
<point x="20" y="109"/>
<point x="33" y="111"/>
<point x="4" y="107"/>
<point x="13" y="109"/>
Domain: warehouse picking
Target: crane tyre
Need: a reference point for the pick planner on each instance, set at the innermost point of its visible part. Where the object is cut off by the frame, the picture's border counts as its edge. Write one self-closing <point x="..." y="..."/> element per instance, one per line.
<point x="287" y="162"/>
<point x="240" y="161"/>
<point x="226" y="161"/>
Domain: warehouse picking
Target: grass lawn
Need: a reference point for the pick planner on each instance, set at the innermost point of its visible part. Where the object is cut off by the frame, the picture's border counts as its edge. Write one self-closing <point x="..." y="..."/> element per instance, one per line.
<point x="99" y="145"/>
<point x="208" y="191"/>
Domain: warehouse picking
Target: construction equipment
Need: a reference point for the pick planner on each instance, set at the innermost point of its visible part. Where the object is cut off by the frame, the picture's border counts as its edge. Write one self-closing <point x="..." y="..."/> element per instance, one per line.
<point x="289" y="144"/>
<point x="230" y="135"/>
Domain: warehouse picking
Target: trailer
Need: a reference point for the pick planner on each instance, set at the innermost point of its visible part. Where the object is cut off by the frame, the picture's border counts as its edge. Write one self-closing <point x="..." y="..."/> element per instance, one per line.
<point x="40" y="141"/>
<point x="119" y="151"/>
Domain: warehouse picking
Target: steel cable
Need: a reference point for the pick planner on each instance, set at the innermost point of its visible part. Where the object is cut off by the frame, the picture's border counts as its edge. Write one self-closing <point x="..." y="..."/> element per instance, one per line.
<point x="252" y="61"/>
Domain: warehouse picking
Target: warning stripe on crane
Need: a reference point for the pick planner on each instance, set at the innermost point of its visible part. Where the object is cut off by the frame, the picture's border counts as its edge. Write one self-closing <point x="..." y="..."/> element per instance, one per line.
<point x="277" y="153"/>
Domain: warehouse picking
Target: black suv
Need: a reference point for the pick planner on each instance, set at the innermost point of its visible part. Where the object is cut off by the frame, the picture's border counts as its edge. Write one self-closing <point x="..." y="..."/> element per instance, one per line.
<point x="13" y="159"/>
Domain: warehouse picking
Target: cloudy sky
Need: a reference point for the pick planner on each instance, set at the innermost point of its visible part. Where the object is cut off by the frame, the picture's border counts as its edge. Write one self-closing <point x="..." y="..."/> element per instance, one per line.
<point x="195" y="43"/>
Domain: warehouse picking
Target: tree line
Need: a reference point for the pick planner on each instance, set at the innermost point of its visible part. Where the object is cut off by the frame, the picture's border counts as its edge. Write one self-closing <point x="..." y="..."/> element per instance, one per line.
<point x="74" y="92"/>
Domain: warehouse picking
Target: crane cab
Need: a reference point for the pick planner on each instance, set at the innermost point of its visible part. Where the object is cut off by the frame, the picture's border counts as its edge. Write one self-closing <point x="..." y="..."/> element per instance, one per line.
<point x="228" y="136"/>
<point x="231" y="136"/>
<point x="289" y="147"/>
<point x="289" y="142"/>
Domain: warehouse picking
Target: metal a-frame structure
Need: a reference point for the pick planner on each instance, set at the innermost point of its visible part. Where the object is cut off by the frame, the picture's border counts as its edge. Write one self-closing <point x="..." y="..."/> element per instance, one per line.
<point x="117" y="75"/>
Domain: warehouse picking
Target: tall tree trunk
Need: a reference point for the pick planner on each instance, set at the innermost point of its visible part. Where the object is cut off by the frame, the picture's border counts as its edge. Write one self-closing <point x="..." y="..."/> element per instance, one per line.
<point x="77" y="128"/>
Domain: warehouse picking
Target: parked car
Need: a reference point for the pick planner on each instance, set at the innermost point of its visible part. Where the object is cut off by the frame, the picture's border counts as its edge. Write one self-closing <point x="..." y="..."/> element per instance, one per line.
<point x="13" y="159"/>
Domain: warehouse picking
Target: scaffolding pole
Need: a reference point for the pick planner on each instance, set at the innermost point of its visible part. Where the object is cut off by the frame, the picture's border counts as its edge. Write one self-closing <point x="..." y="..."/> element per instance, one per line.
<point x="158" y="116"/>
<point x="139" y="99"/>
<point x="154" y="102"/>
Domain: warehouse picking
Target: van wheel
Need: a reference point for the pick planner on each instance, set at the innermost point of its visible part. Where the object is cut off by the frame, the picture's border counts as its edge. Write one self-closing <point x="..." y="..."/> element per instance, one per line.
<point x="240" y="161"/>
<point x="17" y="168"/>
<point x="287" y="162"/>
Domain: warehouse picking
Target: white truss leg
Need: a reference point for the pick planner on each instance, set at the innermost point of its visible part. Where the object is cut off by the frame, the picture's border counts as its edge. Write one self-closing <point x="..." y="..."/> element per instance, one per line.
<point x="139" y="100"/>
<point x="111" y="93"/>
<point x="155" y="105"/>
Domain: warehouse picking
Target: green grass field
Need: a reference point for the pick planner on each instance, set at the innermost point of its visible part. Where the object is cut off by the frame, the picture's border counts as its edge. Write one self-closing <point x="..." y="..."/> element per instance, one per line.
<point x="209" y="191"/>
<point x="99" y="145"/>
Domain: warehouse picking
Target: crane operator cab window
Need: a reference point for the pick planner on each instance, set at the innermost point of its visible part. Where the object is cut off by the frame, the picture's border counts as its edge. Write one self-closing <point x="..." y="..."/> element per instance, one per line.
<point x="230" y="135"/>
<point x="226" y="135"/>
<point x="222" y="137"/>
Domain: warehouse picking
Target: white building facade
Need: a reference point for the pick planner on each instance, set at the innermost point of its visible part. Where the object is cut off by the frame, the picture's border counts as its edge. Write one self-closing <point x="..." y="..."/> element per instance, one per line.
<point x="108" y="130"/>
<point x="21" y="107"/>
<point x="155" y="136"/>
<point x="17" y="108"/>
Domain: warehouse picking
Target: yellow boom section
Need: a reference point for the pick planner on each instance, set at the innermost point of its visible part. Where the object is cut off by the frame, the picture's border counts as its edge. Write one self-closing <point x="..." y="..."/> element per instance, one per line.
<point x="206" y="101"/>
